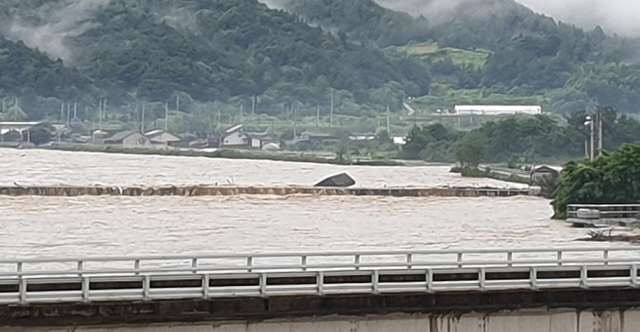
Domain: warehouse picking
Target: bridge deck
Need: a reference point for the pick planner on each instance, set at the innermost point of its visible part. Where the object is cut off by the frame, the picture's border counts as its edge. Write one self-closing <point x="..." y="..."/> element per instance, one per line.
<point x="483" y="281"/>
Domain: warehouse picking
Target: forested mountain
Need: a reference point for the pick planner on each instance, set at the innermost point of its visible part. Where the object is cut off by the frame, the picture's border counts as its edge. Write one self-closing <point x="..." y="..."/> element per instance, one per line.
<point x="209" y="49"/>
<point x="356" y="53"/>
<point x="518" y="52"/>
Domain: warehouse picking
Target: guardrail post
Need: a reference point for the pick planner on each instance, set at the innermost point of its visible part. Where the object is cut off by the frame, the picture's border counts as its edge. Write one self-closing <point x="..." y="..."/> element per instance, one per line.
<point x="249" y="264"/>
<point x="23" y="290"/>
<point x="429" y="279"/>
<point x="409" y="261"/>
<point x="19" y="267"/>
<point x="510" y="259"/>
<point x="206" y="281"/>
<point x="194" y="265"/>
<point x="584" y="277"/>
<point x="357" y="261"/>
<point x="634" y="276"/>
<point x="459" y="260"/>
<point x="533" y="278"/>
<point x="263" y="284"/>
<point x="86" y="284"/>
<point x="136" y="266"/>
<point x="559" y="257"/>
<point x="320" y="283"/>
<point x="303" y="262"/>
<point x="606" y="257"/>
<point x="375" y="278"/>
<point x="482" y="279"/>
<point x="80" y="267"/>
<point x="146" y="288"/>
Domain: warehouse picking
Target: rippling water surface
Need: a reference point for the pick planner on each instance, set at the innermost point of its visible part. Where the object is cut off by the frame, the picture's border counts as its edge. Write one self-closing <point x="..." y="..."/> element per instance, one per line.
<point x="37" y="167"/>
<point x="98" y="226"/>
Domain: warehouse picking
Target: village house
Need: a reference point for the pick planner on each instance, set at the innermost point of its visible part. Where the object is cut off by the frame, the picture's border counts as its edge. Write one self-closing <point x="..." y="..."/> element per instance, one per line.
<point x="128" y="138"/>
<point x="163" y="138"/>
<point x="314" y="139"/>
<point x="260" y="140"/>
<point x="234" y="137"/>
<point x="542" y="172"/>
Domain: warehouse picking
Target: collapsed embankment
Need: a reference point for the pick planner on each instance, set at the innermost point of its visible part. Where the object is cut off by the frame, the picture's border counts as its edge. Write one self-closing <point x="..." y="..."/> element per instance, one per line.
<point x="70" y="191"/>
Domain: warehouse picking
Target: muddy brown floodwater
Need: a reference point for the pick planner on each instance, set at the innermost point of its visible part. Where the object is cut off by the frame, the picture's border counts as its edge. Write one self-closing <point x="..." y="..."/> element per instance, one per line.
<point x="98" y="226"/>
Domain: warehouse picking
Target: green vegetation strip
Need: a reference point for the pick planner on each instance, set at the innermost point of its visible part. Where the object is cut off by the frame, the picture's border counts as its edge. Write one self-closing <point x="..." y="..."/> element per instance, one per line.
<point x="227" y="154"/>
<point x="477" y="173"/>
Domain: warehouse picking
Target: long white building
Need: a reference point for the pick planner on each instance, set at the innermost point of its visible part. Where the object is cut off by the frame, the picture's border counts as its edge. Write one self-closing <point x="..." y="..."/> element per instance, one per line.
<point x="497" y="110"/>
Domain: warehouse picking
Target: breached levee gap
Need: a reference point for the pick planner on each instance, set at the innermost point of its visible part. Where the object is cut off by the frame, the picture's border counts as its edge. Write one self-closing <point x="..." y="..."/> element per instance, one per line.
<point x="192" y="191"/>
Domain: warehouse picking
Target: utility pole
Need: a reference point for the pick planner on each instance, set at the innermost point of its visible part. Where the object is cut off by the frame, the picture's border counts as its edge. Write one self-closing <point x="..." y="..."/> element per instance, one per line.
<point x="317" y="116"/>
<point x="68" y="113"/>
<point x="61" y="110"/>
<point x="253" y="105"/>
<point x="592" y="151"/>
<point x="144" y="106"/>
<point x="600" y="132"/>
<point x="295" y="120"/>
<point x="166" y="116"/>
<point x="388" y="121"/>
<point x="101" y="111"/>
<point x="105" y="110"/>
<point x="332" y="106"/>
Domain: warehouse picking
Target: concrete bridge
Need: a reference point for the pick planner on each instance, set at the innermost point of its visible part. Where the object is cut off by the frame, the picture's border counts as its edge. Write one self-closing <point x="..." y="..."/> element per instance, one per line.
<point x="570" y="289"/>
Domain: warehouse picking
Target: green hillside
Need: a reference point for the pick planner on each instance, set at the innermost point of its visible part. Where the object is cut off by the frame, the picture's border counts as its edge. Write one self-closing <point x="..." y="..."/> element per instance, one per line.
<point x="214" y="61"/>
<point x="498" y="47"/>
<point x="136" y="50"/>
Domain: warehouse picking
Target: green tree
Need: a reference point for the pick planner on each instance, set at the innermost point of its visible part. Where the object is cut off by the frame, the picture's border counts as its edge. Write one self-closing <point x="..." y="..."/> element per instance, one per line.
<point x="471" y="149"/>
<point x="610" y="179"/>
<point x="41" y="134"/>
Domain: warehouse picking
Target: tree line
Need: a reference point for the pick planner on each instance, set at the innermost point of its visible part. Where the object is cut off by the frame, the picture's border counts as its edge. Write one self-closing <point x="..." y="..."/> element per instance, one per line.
<point x="519" y="139"/>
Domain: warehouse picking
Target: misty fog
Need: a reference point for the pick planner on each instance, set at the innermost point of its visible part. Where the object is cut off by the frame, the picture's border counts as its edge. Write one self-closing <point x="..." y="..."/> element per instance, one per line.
<point x="55" y="26"/>
<point x="615" y="16"/>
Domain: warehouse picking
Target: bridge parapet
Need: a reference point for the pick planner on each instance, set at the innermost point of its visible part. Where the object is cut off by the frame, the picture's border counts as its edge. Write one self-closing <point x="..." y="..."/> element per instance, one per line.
<point x="317" y="261"/>
<point x="318" y="283"/>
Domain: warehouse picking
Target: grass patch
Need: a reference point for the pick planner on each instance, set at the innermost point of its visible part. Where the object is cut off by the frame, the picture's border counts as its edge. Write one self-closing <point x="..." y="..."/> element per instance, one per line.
<point x="431" y="52"/>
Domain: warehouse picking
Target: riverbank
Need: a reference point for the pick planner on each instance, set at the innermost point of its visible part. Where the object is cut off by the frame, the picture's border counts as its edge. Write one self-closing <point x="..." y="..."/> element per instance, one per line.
<point x="487" y="172"/>
<point x="300" y="157"/>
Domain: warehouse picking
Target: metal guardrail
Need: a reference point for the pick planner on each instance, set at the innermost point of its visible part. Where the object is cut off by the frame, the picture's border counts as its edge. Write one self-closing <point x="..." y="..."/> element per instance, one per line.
<point x="154" y="287"/>
<point x="315" y="261"/>
<point x="314" y="273"/>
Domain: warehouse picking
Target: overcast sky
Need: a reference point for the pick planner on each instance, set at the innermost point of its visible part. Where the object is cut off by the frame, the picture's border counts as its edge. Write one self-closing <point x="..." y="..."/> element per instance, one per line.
<point x="619" y="16"/>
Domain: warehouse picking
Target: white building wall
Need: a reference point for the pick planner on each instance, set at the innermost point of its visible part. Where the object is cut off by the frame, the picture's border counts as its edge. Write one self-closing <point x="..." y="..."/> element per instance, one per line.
<point x="497" y="109"/>
<point x="234" y="139"/>
<point x="136" y="140"/>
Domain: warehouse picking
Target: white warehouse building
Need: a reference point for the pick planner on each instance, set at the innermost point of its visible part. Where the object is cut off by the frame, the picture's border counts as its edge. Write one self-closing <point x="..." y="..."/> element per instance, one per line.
<point x="497" y="110"/>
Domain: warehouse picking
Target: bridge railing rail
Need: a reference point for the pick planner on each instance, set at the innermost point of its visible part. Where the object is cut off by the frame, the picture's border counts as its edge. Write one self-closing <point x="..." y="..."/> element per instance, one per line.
<point x="316" y="261"/>
<point x="154" y="287"/>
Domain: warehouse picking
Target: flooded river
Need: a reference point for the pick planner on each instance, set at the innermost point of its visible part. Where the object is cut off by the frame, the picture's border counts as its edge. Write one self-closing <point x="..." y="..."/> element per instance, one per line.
<point x="37" y="167"/>
<point x="98" y="226"/>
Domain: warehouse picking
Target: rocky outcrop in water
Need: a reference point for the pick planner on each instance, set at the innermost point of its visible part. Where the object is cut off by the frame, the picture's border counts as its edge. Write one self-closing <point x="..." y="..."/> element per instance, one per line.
<point x="342" y="180"/>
